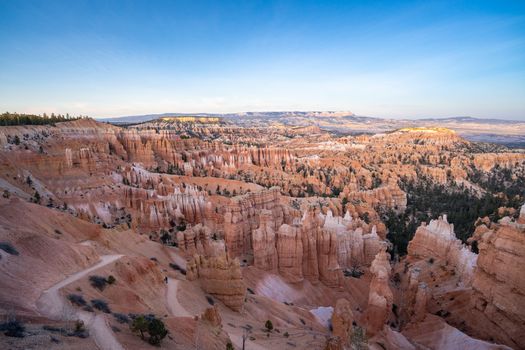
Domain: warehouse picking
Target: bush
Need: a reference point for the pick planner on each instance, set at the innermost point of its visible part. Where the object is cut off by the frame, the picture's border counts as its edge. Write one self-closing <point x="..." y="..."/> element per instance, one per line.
<point x="210" y="300"/>
<point x="111" y="279"/>
<point x="121" y="318"/>
<point x="268" y="325"/>
<point x="229" y="346"/>
<point x="177" y="268"/>
<point x="79" y="331"/>
<point x="76" y="299"/>
<point x="157" y="331"/>
<point x="13" y="329"/>
<point x="8" y="248"/>
<point x="100" y="305"/>
<point x="151" y="325"/>
<point x="53" y="329"/>
<point x="98" y="282"/>
<point x="88" y="308"/>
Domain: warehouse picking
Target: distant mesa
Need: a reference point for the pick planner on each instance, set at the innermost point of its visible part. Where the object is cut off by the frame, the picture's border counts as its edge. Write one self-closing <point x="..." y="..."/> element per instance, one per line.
<point x="427" y="130"/>
<point x="191" y="119"/>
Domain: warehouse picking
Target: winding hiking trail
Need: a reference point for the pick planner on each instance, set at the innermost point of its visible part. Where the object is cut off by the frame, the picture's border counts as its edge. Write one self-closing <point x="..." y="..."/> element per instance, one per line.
<point x="54" y="306"/>
<point x="174" y="307"/>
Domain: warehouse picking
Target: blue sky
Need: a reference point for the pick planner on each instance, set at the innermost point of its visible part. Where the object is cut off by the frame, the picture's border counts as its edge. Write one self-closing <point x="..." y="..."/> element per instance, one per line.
<point x="377" y="58"/>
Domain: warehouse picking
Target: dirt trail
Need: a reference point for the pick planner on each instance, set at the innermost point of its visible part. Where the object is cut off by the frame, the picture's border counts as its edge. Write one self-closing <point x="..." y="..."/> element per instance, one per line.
<point x="174" y="307"/>
<point x="52" y="305"/>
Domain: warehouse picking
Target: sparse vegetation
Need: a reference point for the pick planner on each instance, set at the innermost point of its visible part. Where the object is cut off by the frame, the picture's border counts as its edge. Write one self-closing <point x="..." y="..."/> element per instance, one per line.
<point x="98" y="282"/>
<point x="121" y="318"/>
<point x="13" y="328"/>
<point x="8" y="248"/>
<point x="79" y="330"/>
<point x="150" y="325"/>
<point x="268" y="325"/>
<point x="101" y="305"/>
<point x="176" y="267"/>
<point x="76" y="299"/>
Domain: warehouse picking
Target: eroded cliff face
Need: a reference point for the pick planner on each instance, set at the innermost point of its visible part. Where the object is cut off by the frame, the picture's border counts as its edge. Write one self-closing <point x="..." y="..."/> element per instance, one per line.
<point x="241" y="218"/>
<point x="381" y="298"/>
<point x="264" y="245"/>
<point x="438" y="241"/>
<point x="219" y="276"/>
<point x="498" y="297"/>
<point x="342" y="321"/>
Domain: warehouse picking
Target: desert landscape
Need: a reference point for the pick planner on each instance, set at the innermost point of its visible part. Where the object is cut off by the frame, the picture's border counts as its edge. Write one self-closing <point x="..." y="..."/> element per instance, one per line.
<point x="258" y="237"/>
<point x="262" y="175"/>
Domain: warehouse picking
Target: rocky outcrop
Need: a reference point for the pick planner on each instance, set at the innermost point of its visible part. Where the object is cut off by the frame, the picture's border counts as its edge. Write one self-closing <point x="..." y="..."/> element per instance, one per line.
<point x="219" y="276"/>
<point x="487" y="161"/>
<point x="264" y="245"/>
<point x="199" y="240"/>
<point x="342" y="320"/>
<point x="390" y="196"/>
<point x="330" y="272"/>
<point x="498" y="298"/>
<point x="438" y="241"/>
<point x="290" y="252"/>
<point x="334" y="343"/>
<point x="212" y="316"/>
<point x="380" y="299"/>
<point x="241" y="218"/>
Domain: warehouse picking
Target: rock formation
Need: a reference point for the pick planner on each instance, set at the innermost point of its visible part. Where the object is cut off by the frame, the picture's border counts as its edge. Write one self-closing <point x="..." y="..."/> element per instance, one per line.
<point x="380" y="299"/>
<point x="219" y="276"/>
<point x="342" y="320"/>
<point x="264" y="245"/>
<point x="438" y="241"/>
<point x="498" y="299"/>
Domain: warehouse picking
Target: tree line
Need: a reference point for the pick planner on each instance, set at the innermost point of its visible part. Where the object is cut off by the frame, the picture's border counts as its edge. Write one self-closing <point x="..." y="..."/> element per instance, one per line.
<point x="7" y="119"/>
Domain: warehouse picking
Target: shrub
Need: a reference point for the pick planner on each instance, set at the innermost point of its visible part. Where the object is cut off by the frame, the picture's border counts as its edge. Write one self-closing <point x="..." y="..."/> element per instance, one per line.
<point x="151" y="325"/>
<point x="111" y="279"/>
<point x="286" y="334"/>
<point x="268" y="325"/>
<point x="13" y="329"/>
<point x="98" y="282"/>
<point x="53" y="329"/>
<point x="176" y="267"/>
<point x="121" y="318"/>
<point x="76" y="299"/>
<point x="87" y="308"/>
<point x="8" y="248"/>
<point x="157" y="331"/>
<point x="210" y="300"/>
<point x="139" y="325"/>
<point x="79" y="331"/>
<point x="229" y="346"/>
<point x="100" y="305"/>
